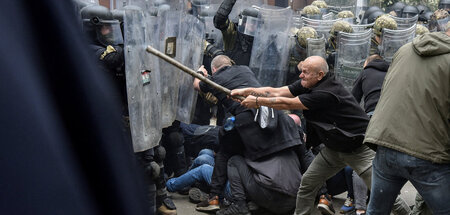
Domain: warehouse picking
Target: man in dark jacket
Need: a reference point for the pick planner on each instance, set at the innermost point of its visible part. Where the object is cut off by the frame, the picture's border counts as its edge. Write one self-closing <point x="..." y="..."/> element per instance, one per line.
<point x="369" y="82"/>
<point x="248" y="137"/>
<point x="333" y="117"/>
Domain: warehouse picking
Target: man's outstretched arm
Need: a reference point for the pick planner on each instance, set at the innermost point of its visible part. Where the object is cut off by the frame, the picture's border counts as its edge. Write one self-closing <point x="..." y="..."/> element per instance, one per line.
<point x="280" y="103"/>
<point x="263" y="92"/>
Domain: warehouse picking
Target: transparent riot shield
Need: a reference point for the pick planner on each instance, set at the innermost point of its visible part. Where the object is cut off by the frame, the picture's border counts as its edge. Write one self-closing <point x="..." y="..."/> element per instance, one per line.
<point x="142" y="79"/>
<point x="404" y="23"/>
<point x="328" y="16"/>
<point x="171" y="45"/>
<point x="297" y="23"/>
<point x="213" y="35"/>
<point x="316" y="47"/>
<point x="362" y="27"/>
<point x="351" y="52"/>
<point x="270" y="53"/>
<point x="240" y="5"/>
<point x="192" y="36"/>
<point x="392" y="40"/>
<point x="321" y="26"/>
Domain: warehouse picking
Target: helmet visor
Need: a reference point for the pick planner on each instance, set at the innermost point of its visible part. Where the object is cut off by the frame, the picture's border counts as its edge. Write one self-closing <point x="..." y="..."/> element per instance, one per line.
<point x="248" y="25"/>
<point x="109" y="33"/>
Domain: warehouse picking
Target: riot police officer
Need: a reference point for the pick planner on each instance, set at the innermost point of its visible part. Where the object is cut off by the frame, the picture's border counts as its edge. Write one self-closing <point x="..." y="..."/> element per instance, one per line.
<point x="322" y="5"/>
<point x="382" y="22"/>
<point x="339" y="26"/>
<point x="237" y="37"/>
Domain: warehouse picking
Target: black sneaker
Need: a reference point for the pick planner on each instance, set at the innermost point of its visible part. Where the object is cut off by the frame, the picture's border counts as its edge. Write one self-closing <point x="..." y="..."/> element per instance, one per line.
<point x="209" y="205"/>
<point x="235" y="209"/>
<point x="196" y="195"/>
<point x="325" y="205"/>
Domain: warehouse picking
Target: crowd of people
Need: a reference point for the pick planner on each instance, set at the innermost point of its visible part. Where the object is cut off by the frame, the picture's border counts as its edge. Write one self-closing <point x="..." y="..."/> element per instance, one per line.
<point x="273" y="149"/>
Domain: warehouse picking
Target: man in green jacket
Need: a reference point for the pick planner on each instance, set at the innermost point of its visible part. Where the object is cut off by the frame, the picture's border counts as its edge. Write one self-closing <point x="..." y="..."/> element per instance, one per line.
<point x="411" y="126"/>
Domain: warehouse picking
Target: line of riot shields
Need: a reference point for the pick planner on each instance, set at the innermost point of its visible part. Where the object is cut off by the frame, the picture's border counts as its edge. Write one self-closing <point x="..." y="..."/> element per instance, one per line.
<point x="159" y="93"/>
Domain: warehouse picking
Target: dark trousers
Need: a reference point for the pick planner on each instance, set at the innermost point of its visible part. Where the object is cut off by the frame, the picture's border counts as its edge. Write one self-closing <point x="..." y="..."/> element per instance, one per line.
<point x="230" y="144"/>
<point x="243" y="184"/>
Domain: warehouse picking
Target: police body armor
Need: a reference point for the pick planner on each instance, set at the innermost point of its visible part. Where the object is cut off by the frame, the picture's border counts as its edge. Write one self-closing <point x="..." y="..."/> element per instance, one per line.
<point x="404" y="23"/>
<point x="270" y="56"/>
<point x="142" y="77"/>
<point x="351" y="52"/>
<point x="392" y="40"/>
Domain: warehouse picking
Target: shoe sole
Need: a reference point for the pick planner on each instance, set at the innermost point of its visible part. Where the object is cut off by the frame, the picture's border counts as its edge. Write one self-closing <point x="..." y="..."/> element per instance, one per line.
<point x="325" y="209"/>
<point x="210" y="208"/>
<point x="197" y="196"/>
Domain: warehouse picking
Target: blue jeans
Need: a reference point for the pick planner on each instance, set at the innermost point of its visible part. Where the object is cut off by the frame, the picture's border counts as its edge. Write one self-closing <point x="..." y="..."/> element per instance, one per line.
<point x="202" y="173"/>
<point x="205" y="156"/>
<point x="392" y="169"/>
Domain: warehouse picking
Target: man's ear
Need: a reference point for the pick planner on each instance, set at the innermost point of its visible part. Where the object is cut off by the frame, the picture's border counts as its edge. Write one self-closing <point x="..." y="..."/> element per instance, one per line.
<point x="320" y="75"/>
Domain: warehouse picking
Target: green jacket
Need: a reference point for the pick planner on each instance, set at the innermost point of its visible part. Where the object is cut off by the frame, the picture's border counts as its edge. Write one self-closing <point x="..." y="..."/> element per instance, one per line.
<point x="413" y="113"/>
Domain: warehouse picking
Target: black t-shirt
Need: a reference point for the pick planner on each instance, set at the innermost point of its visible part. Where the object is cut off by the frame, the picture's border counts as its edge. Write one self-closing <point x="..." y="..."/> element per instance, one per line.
<point x="331" y="107"/>
<point x="231" y="77"/>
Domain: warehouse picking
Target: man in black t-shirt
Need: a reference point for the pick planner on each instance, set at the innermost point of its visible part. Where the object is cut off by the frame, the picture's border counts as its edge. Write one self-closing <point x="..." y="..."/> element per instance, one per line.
<point x="333" y="118"/>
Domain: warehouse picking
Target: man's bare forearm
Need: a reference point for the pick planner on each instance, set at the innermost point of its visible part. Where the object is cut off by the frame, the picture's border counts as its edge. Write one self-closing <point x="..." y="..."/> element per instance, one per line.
<point x="281" y="103"/>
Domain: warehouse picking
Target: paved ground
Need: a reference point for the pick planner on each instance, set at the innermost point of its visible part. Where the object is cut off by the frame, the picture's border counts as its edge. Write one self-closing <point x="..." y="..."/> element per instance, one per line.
<point x="186" y="208"/>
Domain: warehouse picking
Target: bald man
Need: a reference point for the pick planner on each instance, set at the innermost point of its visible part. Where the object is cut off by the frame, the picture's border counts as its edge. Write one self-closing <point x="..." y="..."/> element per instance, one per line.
<point x="333" y="117"/>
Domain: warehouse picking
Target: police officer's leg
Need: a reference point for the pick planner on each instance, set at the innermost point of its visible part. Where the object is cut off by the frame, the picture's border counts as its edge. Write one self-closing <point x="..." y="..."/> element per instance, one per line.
<point x="326" y="164"/>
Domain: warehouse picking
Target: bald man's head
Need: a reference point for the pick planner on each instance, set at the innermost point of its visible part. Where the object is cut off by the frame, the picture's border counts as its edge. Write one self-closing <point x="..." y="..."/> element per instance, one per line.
<point x="313" y="69"/>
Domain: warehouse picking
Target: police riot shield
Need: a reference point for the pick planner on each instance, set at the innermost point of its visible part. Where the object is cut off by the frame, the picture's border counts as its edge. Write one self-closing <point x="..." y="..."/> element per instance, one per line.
<point x="362" y="27"/>
<point x="351" y="52"/>
<point x="392" y="40"/>
<point x="192" y="36"/>
<point x="213" y="35"/>
<point x="316" y="47"/>
<point x="270" y="53"/>
<point x="328" y="16"/>
<point x="142" y="79"/>
<point x="240" y="5"/>
<point x="404" y="23"/>
<point x="171" y="45"/>
<point x="321" y="26"/>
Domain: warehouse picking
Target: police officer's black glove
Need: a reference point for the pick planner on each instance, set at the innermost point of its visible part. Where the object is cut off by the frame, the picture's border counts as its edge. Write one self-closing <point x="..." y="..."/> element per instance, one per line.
<point x="221" y="16"/>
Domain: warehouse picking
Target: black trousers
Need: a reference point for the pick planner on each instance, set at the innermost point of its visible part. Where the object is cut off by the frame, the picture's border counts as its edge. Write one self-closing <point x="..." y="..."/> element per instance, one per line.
<point x="230" y="144"/>
<point x="243" y="187"/>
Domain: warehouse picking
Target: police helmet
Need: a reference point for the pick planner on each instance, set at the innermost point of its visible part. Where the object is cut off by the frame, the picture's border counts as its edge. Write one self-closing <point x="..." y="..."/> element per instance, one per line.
<point x="422" y="8"/>
<point x="382" y="22"/>
<point x="397" y="7"/>
<point x="319" y="4"/>
<point x="345" y="14"/>
<point x="340" y="26"/>
<point x="312" y="12"/>
<point x="100" y="25"/>
<point x="303" y="34"/>
<point x="249" y="21"/>
<point x="374" y="16"/>
<point x="409" y="11"/>
<point x="420" y="29"/>
<point x="370" y="10"/>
